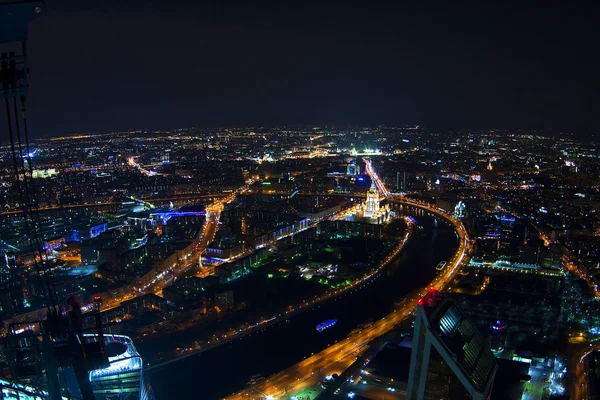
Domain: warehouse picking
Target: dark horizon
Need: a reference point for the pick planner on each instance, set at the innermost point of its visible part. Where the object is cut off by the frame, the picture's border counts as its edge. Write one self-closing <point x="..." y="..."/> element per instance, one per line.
<point x="148" y="65"/>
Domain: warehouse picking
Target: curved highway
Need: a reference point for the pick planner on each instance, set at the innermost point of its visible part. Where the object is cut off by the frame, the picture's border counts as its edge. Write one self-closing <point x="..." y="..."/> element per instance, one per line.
<point x="341" y="355"/>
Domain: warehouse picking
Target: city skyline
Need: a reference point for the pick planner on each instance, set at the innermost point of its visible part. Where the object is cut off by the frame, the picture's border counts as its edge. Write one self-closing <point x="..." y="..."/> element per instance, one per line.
<point x="307" y="201"/>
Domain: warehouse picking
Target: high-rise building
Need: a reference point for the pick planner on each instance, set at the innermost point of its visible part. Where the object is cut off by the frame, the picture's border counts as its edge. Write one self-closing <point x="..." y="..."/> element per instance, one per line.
<point x="372" y="203"/>
<point x="11" y="296"/>
<point x="124" y="378"/>
<point x="450" y="358"/>
<point x="460" y="210"/>
<point x="497" y="337"/>
<point x="352" y="168"/>
<point x="401" y="181"/>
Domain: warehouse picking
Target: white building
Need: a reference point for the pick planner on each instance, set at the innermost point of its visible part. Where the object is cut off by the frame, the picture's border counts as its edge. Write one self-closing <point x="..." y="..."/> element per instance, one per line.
<point x="372" y="203"/>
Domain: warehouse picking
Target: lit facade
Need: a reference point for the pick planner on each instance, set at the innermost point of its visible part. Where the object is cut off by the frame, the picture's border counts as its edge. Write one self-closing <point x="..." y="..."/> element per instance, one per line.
<point x="353" y="169"/>
<point x="372" y="203"/>
<point x="460" y="210"/>
<point x="124" y="378"/>
<point x="450" y="358"/>
<point x="13" y="390"/>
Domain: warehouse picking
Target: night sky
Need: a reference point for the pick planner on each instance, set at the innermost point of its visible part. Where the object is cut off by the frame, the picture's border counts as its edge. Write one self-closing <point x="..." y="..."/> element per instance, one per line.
<point x="118" y="64"/>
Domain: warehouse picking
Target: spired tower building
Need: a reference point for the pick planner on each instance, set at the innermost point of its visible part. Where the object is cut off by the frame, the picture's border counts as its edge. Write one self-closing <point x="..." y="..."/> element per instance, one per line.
<point x="372" y="203"/>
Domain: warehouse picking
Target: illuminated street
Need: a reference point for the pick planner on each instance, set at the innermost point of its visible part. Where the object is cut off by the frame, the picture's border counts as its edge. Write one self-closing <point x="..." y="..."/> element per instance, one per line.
<point x="211" y="225"/>
<point x="339" y="356"/>
<point x="299" y="201"/>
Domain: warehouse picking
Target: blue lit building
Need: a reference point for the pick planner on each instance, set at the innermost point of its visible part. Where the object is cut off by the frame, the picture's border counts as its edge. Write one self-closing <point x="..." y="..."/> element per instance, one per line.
<point x="86" y="232"/>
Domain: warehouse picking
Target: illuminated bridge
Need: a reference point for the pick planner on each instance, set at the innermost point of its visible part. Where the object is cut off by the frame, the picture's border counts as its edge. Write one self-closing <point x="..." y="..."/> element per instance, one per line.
<point x="166" y="216"/>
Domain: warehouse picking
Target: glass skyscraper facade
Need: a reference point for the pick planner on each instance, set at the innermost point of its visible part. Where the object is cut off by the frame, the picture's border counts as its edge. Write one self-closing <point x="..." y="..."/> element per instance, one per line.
<point x="124" y="378"/>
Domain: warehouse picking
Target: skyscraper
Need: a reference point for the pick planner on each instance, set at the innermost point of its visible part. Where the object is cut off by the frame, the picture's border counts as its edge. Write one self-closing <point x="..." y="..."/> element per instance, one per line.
<point x="450" y="358"/>
<point x="401" y="181"/>
<point x="372" y="203"/>
<point x="497" y="337"/>
<point x="352" y="168"/>
<point x="124" y="378"/>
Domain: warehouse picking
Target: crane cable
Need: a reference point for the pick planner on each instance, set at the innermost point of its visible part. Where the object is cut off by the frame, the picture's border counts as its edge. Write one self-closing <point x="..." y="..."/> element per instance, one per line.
<point x="22" y="201"/>
<point x="35" y="196"/>
<point x="34" y="190"/>
<point x="33" y="204"/>
<point x="30" y="203"/>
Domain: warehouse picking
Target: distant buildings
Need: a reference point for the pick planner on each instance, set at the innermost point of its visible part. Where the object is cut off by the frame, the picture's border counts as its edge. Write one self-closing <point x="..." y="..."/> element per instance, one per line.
<point x="352" y="168"/>
<point x="44" y="173"/>
<point x="401" y="181"/>
<point x="531" y="210"/>
<point x="460" y="210"/>
<point x="224" y="300"/>
<point x="232" y="270"/>
<point x="190" y="292"/>
<point x="346" y="229"/>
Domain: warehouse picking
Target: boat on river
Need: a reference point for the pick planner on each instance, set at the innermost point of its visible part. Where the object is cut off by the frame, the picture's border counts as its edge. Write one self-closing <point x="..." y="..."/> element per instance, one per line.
<point x="326" y="325"/>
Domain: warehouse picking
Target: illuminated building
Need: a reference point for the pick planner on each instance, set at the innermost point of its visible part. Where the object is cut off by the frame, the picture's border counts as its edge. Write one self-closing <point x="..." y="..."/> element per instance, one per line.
<point x="460" y="210"/>
<point x="124" y="378"/>
<point x="450" y="358"/>
<point x="9" y="260"/>
<point x="497" y="337"/>
<point x="20" y="391"/>
<point x="353" y="169"/>
<point x="372" y="203"/>
<point x="54" y="243"/>
<point x="43" y="173"/>
<point x="11" y="296"/>
<point x="401" y="181"/>
<point x="371" y="211"/>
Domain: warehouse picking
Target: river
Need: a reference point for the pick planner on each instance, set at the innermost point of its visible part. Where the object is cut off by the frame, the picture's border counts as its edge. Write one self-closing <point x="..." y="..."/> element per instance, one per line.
<point x="226" y="369"/>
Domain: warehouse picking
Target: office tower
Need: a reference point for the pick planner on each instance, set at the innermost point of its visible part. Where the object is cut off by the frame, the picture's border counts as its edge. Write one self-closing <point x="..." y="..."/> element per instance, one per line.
<point x="497" y="337"/>
<point x="124" y="378"/>
<point x="460" y="210"/>
<point x="450" y="358"/>
<point x="352" y="168"/>
<point x="401" y="181"/>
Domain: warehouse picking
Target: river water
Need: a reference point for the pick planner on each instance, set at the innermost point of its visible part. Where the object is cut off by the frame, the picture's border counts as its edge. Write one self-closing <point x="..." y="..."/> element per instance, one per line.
<point x="226" y="369"/>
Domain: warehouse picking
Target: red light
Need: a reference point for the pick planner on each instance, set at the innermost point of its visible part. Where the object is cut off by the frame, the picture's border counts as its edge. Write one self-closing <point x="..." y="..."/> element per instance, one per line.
<point x="431" y="288"/>
<point x="420" y="301"/>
